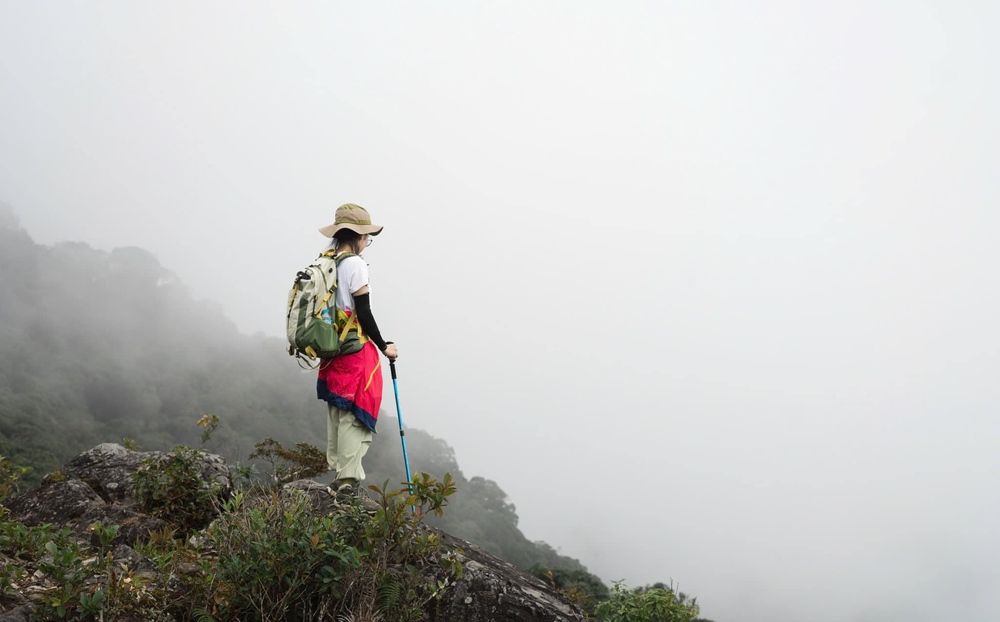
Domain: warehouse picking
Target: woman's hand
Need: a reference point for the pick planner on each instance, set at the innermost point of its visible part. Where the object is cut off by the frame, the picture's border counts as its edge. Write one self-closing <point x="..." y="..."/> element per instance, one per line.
<point x="390" y="352"/>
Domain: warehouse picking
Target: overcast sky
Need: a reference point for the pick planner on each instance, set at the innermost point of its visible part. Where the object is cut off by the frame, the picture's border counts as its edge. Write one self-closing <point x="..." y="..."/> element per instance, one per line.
<point x="709" y="288"/>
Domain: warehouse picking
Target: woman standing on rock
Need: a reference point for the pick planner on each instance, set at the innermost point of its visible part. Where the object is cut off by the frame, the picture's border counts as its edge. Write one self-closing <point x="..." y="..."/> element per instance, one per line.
<point x="351" y="384"/>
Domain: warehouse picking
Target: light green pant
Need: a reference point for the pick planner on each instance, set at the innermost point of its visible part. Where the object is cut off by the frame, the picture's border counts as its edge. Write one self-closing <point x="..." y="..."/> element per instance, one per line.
<point x="347" y="442"/>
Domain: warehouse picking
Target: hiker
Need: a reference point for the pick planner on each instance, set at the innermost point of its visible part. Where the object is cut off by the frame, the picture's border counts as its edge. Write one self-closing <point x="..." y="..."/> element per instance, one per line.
<point x="351" y="384"/>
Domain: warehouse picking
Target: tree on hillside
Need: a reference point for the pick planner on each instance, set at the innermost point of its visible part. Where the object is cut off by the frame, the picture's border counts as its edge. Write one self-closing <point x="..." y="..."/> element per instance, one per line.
<point x="492" y="499"/>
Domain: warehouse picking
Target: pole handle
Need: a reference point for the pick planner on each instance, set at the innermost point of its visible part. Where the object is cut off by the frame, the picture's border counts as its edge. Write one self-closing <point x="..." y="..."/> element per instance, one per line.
<point x="392" y="364"/>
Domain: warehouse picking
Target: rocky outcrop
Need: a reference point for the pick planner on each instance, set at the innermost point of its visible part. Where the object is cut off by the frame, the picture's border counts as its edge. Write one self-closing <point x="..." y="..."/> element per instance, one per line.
<point x="108" y="470"/>
<point x="97" y="486"/>
<point x="492" y="589"/>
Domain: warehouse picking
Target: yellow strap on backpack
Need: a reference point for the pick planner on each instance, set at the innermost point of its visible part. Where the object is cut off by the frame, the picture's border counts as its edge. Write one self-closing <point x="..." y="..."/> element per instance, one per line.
<point x="322" y="304"/>
<point x="352" y="322"/>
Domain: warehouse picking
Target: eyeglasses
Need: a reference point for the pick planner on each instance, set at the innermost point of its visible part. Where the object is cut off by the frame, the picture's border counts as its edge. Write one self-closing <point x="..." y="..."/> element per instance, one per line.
<point x="370" y="240"/>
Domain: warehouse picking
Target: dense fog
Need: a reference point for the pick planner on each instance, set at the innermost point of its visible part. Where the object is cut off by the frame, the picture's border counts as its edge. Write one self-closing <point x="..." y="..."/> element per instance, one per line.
<point x="707" y="289"/>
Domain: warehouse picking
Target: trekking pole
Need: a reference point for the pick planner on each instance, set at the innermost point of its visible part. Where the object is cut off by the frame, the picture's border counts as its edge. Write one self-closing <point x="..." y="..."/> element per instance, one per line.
<point x="402" y="434"/>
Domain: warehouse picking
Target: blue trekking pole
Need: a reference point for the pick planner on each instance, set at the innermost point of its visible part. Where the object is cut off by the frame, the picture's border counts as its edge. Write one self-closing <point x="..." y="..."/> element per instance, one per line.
<point x="402" y="434"/>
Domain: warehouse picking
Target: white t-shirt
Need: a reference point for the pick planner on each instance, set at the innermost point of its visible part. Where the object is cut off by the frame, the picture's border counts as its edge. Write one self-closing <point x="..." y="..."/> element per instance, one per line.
<point x="352" y="275"/>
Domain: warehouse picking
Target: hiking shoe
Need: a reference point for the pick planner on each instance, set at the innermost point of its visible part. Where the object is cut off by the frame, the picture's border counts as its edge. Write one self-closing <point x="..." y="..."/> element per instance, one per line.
<point x="345" y="491"/>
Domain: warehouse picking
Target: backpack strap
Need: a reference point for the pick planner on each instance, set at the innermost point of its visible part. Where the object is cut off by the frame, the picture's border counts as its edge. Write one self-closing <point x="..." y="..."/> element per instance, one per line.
<point x="329" y="294"/>
<point x="322" y="305"/>
<point x="341" y="257"/>
<point x="352" y="322"/>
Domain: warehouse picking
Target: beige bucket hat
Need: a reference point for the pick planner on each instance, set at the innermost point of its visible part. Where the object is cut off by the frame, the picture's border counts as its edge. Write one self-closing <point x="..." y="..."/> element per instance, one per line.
<point x="353" y="217"/>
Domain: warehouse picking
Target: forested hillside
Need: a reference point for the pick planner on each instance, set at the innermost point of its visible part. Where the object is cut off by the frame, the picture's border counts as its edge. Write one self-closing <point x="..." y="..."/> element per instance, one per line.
<point x="98" y="346"/>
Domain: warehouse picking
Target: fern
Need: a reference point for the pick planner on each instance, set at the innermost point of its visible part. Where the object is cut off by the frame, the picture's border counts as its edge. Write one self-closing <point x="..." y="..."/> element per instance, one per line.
<point x="391" y="594"/>
<point x="200" y="615"/>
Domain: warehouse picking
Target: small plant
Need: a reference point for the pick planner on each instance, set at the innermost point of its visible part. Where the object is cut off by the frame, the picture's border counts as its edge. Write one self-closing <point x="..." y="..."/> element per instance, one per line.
<point x="64" y="565"/>
<point x="125" y="596"/>
<point x="160" y="548"/>
<point x="54" y="477"/>
<point x="130" y="444"/>
<point x="162" y="539"/>
<point x="9" y="575"/>
<point x="105" y="535"/>
<point x="210" y="423"/>
<point x="92" y="604"/>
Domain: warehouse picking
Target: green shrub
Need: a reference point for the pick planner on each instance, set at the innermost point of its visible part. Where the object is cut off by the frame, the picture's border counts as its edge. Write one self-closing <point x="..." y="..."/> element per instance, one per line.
<point x="174" y="489"/>
<point x="398" y="552"/>
<point x="9" y="474"/>
<point x="275" y="558"/>
<point x="659" y="604"/>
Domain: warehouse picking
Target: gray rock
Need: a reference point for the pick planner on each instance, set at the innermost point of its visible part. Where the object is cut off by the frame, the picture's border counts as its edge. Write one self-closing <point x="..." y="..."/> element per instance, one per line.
<point x="318" y="494"/>
<point x="97" y="487"/>
<point x="134" y="561"/>
<point x="323" y="501"/>
<point x="134" y="527"/>
<point x="108" y="468"/>
<point x="58" y="503"/>
<point x="11" y="599"/>
<point x="23" y="613"/>
<point x="491" y="589"/>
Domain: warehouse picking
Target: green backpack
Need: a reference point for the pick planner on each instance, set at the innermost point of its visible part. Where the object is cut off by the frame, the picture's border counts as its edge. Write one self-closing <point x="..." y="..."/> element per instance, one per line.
<point x="315" y="328"/>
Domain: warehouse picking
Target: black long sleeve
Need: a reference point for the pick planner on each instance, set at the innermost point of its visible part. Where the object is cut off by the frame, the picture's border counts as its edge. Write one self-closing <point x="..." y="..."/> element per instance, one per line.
<point x="363" y="307"/>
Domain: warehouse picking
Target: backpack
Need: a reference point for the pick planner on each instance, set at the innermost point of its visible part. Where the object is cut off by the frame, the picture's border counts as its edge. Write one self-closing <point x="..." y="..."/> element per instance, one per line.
<point x="315" y="328"/>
